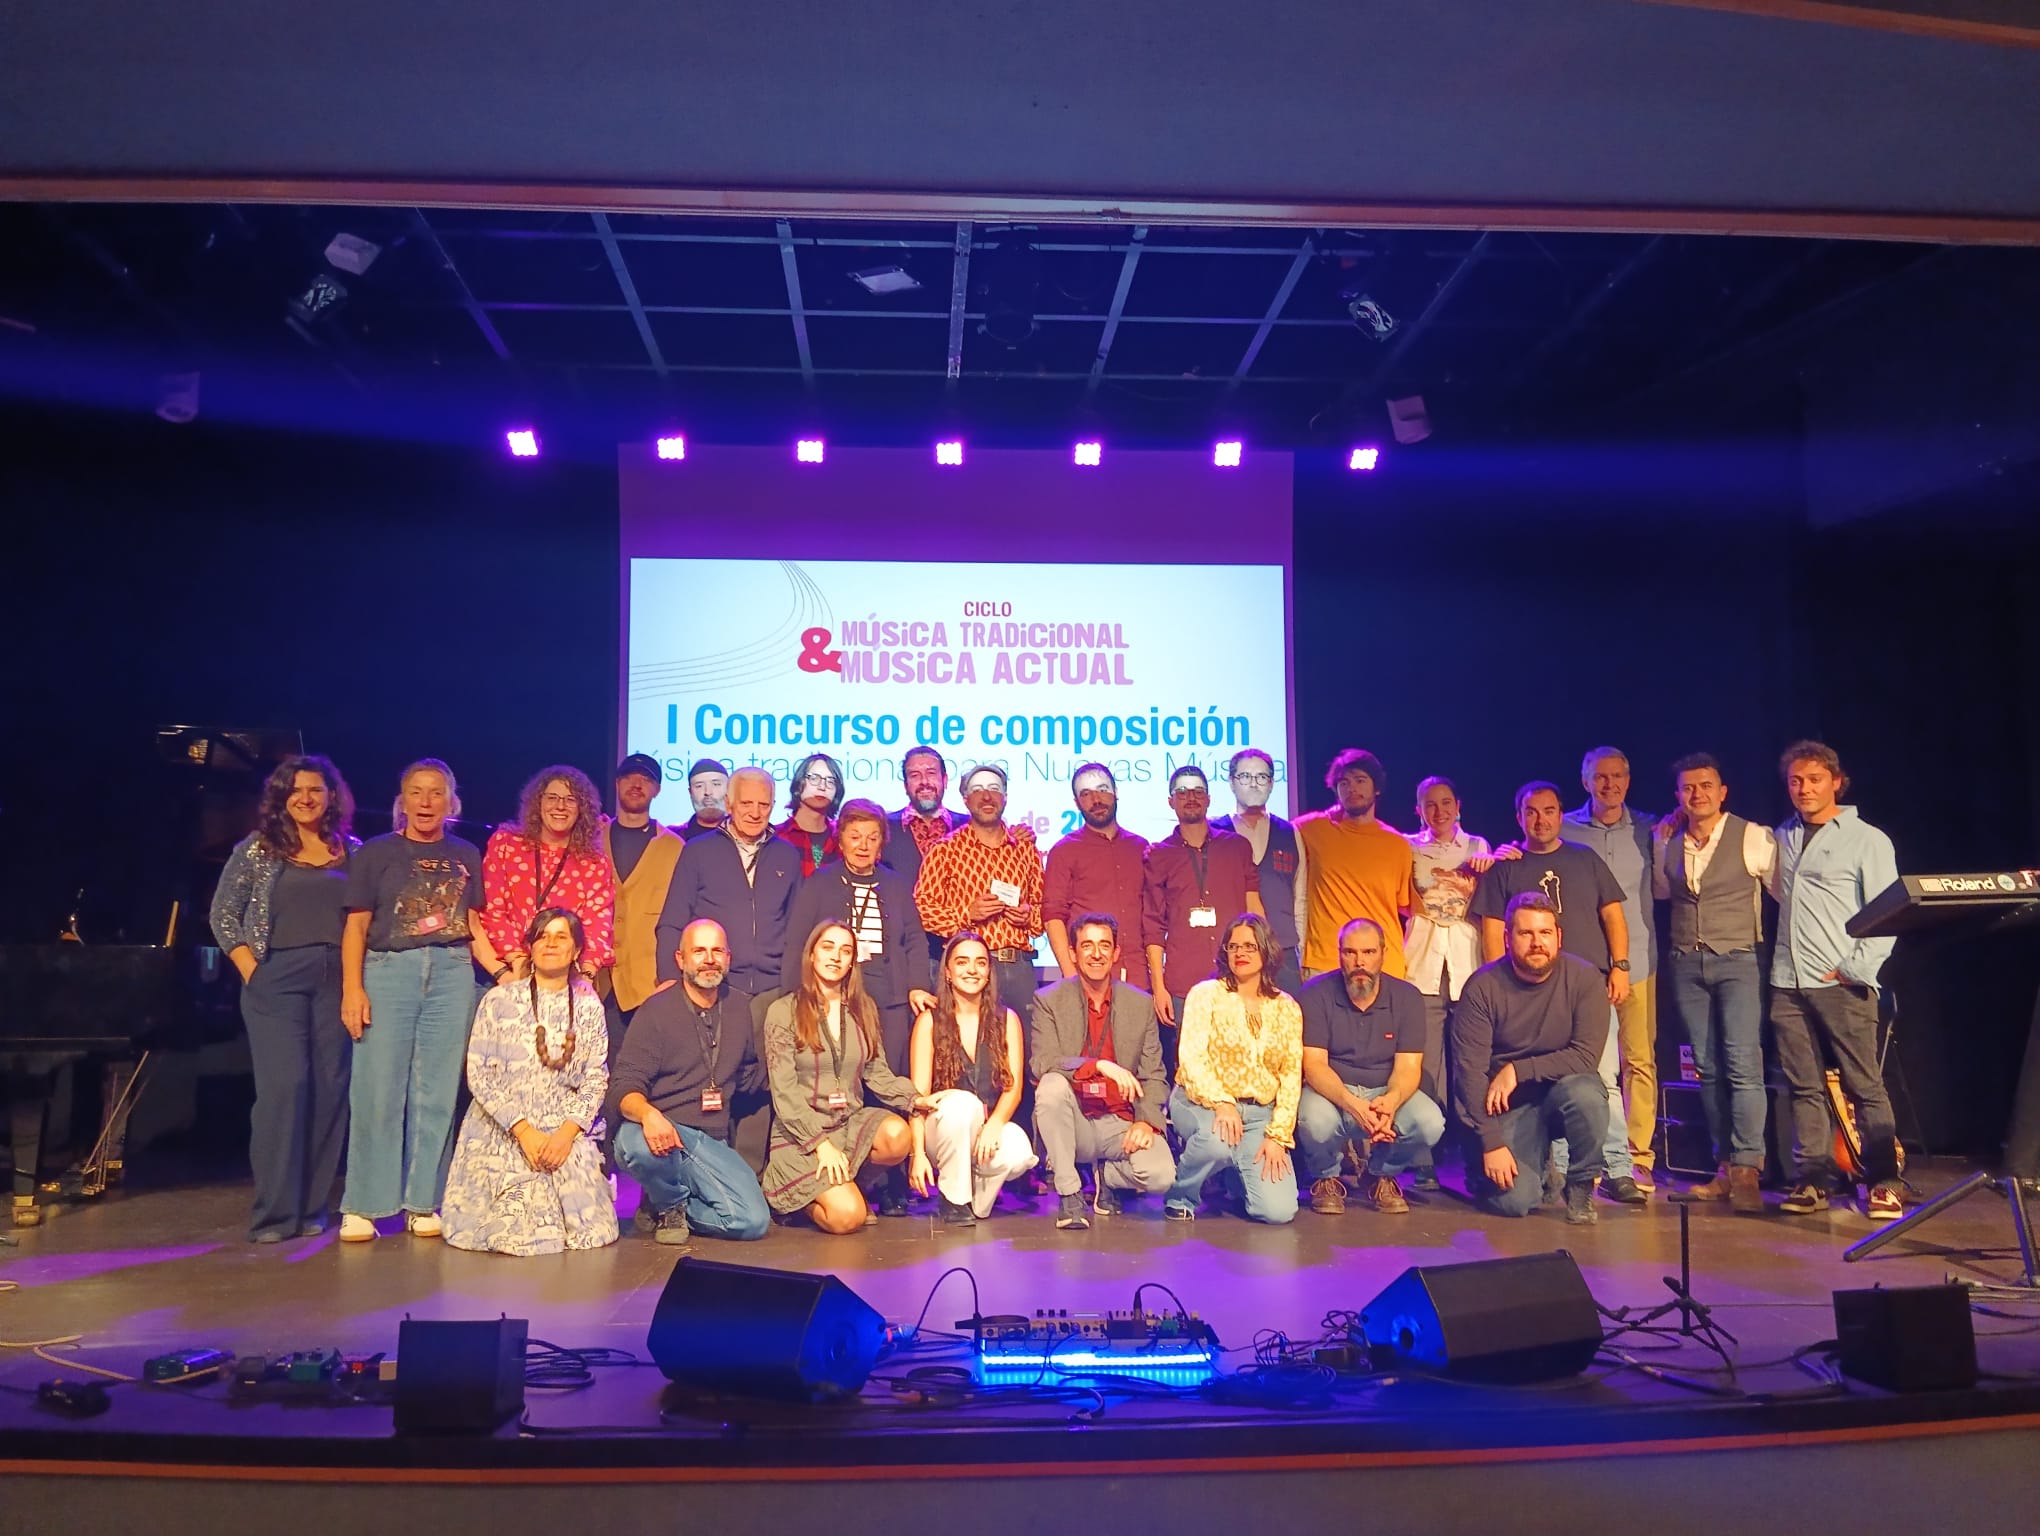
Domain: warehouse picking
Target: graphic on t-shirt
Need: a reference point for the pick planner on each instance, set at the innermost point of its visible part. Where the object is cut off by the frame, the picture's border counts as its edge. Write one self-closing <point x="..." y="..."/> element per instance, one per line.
<point x="1448" y="895"/>
<point x="429" y="905"/>
<point x="1553" y="887"/>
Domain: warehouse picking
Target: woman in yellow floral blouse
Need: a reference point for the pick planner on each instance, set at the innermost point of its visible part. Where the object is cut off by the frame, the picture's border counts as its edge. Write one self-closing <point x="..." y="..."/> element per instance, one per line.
<point x="1238" y="1078"/>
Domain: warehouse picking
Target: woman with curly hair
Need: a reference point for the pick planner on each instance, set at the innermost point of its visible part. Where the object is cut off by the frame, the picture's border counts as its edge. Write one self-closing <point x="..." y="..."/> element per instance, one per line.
<point x="968" y="1058"/>
<point x="550" y="857"/>
<point x="278" y="913"/>
<point x="526" y="1177"/>
<point x="823" y="1052"/>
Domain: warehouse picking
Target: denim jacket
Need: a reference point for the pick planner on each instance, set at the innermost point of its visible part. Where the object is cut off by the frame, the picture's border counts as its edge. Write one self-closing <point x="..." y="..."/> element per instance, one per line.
<point x="240" y="904"/>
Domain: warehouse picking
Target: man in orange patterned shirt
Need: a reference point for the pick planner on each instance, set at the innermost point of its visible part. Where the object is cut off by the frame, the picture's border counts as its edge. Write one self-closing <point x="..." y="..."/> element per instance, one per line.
<point x="986" y="877"/>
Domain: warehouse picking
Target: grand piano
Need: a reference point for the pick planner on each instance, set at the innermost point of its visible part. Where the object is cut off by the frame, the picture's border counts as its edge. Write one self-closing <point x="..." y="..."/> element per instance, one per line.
<point x="90" y="1008"/>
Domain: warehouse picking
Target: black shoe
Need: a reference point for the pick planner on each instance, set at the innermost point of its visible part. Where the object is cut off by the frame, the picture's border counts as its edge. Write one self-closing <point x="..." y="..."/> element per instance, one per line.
<point x="1175" y="1212"/>
<point x="892" y="1202"/>
<point x="643" y="1221"/>
<point x="1425" y="1178"/>
<point x="1106" y="1202"/>
<point x="1554" y="1185"/>
<point x="957" y="1214"/>
<point x="1070" y="1215"/>
<point x="1579" y="1204"/>
<point x="1624" y="1190"/>
<point x="672" y="1229"/>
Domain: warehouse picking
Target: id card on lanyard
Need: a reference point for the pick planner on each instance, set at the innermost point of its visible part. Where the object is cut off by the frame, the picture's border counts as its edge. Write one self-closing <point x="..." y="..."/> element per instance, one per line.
<point x="1204" y="914"/>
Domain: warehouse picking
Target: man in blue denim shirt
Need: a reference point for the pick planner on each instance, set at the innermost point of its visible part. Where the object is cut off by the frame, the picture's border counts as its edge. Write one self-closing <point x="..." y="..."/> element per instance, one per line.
<point x="1824" y="983"/>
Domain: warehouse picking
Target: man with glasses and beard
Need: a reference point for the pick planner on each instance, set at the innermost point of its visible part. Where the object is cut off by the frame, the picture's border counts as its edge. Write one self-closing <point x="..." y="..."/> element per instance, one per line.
<point x="1363" y="1059"/>
<point x="1356" y="867"/>
<point x="986" y="877"/>
<point x="921" y="823"/>
<point x="1197" y="878"/>
<point x="688" y="1054"/>
<point x="1097" y="868"/>
<point x="1278" y="857"/>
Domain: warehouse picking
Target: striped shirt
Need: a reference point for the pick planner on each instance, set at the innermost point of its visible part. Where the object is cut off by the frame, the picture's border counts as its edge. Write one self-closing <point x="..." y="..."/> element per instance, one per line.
<point x="867" y="917"/>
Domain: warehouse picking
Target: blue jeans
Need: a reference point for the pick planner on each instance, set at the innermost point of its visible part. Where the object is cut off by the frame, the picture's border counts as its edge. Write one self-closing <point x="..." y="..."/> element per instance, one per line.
<point x="1721" y="1004"/>
<point x="704" y="1176"/>
<point x="1270" y="1200"/>
<point x="1543" y="1117"/>
<point x="407" y="1070"/>
<point x="1323" y="1129"/>
<point x="1617" y="1163"/>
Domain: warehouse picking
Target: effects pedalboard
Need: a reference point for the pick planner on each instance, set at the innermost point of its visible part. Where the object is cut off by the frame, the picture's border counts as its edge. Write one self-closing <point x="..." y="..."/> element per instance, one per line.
<point x="310" y="1376"/>
<point x="1058" y="1341"/>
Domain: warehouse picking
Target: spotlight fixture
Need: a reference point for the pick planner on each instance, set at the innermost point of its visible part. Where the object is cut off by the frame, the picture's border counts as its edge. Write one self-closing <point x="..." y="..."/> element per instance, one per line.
<point x="1226" y="455"/>
<point x="949" y="451"/>
<point x="674" y="447"/>
<point x="808" y="450"/>
<point x="523" y="442"/>
<point x="886" y="280"/>
<point x="1090" y="454"/>
<point x="1364" y="458"/>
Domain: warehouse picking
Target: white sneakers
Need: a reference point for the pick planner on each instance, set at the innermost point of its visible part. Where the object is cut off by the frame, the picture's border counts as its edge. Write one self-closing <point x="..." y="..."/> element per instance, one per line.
<point x="359" y="1229"/>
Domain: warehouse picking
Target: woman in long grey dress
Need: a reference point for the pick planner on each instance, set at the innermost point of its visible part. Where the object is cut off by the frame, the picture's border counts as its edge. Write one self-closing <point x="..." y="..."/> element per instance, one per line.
<point x="527" y="1176"/>
<point x="824" y="1055"/>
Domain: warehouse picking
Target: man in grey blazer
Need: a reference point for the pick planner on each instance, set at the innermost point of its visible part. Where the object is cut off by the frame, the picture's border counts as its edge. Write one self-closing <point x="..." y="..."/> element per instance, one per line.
<point x="1099" y="1093"/>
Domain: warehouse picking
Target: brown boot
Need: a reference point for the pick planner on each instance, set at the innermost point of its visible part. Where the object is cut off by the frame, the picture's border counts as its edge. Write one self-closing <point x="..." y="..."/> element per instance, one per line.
<point x="1744" y="1198"/>
<point x="1716" y="1188"/>
<point x="1387" y="1196"/>
<point x="1328" y="1197"/>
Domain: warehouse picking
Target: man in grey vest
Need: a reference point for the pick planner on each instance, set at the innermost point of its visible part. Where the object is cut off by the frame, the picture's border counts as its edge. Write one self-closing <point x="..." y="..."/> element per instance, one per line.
<point x="1277" y="855"/>
<point x="1710" y="869"/>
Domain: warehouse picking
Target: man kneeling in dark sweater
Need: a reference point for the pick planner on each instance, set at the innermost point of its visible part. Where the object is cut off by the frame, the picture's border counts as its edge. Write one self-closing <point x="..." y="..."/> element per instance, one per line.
<point x="1526" y="1048"/>
<point x="688" y="1053"/>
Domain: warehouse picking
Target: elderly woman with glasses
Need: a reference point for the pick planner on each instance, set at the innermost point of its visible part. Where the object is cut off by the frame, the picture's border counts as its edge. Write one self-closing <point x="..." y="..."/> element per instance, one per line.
<point x="526" y="1177"/>
<point x="551" y="856"/>
<point x="1239" y="1078"/>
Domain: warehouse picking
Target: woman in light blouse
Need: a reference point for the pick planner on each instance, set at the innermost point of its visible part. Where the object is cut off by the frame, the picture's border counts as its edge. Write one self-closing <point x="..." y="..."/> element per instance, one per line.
<point x="1239" y="1076"/>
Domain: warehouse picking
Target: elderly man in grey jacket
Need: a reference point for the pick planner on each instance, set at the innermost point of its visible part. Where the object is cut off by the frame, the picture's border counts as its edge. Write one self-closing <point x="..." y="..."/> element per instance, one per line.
<point x="1099" y="1094"/>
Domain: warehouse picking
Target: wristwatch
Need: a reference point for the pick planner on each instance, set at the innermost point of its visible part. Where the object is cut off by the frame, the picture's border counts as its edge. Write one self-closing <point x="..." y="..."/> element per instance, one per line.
<point x="1620" y="965"/>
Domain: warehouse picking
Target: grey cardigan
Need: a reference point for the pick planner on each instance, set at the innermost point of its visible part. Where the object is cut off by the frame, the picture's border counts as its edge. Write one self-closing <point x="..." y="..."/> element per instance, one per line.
<point x="1061" y="1023"/>
<point x="240" y="904"/>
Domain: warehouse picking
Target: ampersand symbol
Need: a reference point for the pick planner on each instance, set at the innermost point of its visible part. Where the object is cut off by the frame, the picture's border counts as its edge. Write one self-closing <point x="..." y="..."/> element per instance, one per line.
<point x="813" y="656"/>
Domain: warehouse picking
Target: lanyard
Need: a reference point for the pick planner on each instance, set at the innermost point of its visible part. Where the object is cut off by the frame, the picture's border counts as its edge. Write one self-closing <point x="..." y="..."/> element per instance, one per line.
<point x="863" y="898"/>
<point x="558" y="870"/>
<point x="837" y="1039"/>
<point x="1200" y="860"/>
<point x="711" y="1041"/>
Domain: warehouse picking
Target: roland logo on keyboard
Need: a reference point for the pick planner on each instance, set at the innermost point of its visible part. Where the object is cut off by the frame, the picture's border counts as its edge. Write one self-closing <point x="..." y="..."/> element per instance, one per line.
<point x="1962" y="885"/>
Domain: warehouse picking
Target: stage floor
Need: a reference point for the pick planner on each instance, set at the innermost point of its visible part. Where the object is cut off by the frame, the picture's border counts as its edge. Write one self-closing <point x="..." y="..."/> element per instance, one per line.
<point x="143" y="1272"/>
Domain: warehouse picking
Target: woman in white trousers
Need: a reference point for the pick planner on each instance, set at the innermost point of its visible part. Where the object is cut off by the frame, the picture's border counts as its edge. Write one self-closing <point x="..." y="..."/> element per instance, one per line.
<point x="968" y="1054"/>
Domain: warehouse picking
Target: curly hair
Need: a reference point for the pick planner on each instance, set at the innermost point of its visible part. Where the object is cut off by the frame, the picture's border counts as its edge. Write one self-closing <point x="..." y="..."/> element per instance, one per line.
<point x="1264" y="940"/>
<point x="277" y="832"/>
<point x="587" y="811"/>
<point x="811" y="1004"/>
<point x="951" y="1064"/>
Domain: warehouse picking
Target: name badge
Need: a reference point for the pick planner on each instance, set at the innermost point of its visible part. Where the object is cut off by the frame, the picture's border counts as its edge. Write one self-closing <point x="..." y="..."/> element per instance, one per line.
<point x="1094" y="1087"/>
<point x="838" y="1099"/>
<point x="711" y="1099"/>
<point x="1204" y="917"/>
<point x="1006" y="891"/>
<point x="866" y="948"/>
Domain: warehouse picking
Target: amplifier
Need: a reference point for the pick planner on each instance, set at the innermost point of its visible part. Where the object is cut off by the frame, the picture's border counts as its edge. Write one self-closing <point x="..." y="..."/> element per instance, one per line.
<point x="1131" y="1343"/>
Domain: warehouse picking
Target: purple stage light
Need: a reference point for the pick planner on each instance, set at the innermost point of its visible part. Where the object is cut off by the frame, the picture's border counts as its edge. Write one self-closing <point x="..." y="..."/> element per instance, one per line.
<point x="1226" y="455"/>
<point x="1090" y="454"/>
<point x="808" y="450"/>
<point x="523" y="442"/>
<point x="950" y="452"/>
<point x="1364" y="458"/>
<point x="674" y="447"/>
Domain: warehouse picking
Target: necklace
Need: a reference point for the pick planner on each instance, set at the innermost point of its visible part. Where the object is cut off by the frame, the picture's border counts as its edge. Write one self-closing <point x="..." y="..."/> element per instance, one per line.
<point x="538" y="1033"/>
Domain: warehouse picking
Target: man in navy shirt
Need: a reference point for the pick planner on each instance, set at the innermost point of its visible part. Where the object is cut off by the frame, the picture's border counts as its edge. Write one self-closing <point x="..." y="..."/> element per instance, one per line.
<point x="1363" y="1056"/>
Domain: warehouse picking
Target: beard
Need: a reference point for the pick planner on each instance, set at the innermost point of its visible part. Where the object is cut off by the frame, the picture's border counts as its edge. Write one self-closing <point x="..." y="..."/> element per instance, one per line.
<point x="1101" y="816"/>
<point x="927" y="803"/>
<point x="1536" y="965"/>
<point x="1250" y="799"/>
<point x="707" y="977"/>
<point x="1361" y="987"/>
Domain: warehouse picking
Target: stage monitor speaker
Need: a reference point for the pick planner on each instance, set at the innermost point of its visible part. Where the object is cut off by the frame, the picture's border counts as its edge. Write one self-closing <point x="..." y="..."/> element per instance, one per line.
<point x="1501" y="1320"/>
<point x="459" y="1378"/>
<point x="763" y="1332"/>
<point x="1912" y="1339"/>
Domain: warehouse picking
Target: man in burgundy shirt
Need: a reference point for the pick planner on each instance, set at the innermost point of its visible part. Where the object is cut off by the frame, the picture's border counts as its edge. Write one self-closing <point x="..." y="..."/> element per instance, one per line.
<point x="1097" y="868"/>
<point x="922" y="822"/>
<point x="1198" y="880"/>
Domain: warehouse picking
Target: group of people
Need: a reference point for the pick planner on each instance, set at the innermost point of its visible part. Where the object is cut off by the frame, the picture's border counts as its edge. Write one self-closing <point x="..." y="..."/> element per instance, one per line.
<point x="1252" y="1001"/>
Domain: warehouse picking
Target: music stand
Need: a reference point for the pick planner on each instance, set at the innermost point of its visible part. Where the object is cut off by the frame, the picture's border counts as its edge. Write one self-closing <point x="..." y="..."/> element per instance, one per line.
<point x="1895" y="915"/>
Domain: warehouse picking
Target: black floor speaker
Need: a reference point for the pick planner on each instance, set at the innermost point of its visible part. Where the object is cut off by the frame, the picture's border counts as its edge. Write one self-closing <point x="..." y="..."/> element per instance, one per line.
<point x="1501" y="1320"/>
<point x="1910" y="1339"/>
<point x="459" y="1378"/>
<point x="763" y="1332"/>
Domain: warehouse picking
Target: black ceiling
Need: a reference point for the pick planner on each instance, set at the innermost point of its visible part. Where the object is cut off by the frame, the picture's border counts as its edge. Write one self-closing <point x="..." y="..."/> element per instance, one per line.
<point x="612" y="326"/>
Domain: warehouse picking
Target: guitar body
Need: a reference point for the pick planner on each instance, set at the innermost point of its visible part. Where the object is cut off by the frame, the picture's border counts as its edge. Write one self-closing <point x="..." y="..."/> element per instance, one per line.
<point x="1848" y="1134"/>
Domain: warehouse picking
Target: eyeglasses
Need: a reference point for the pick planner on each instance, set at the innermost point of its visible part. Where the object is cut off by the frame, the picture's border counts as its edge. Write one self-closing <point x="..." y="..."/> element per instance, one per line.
<point x="1243" y="949"/>
<point x="1254" y="780"/>
<point x="818" y="781"/>
<point x="561" y="802"/>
